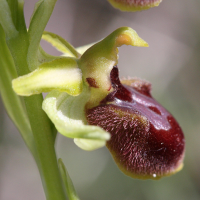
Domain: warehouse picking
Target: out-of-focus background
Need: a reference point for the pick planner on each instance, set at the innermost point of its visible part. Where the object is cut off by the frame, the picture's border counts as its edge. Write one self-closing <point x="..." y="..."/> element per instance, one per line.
<point x="171" y="63"/>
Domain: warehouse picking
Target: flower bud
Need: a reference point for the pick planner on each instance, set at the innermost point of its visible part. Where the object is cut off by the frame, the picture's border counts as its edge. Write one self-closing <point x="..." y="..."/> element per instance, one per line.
<point x="146" y="141"/>
<point x="134" y="5"/>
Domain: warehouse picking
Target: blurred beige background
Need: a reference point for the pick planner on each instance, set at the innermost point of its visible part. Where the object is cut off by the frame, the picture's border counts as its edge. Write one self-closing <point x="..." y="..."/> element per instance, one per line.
<point x="171" y="64"/>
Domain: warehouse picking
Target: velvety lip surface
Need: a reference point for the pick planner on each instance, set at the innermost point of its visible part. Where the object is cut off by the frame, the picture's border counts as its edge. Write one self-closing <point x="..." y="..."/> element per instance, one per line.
<point x="146" y="141"/>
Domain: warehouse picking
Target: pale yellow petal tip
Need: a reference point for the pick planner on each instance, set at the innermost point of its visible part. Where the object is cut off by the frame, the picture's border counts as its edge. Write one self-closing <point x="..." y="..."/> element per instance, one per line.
<point x="140" y="43"/>
<point x="127" y="40"/>
<point x="127" y="36"/>
<point x="19" y="88"/>
<point x="88" y="144"/>
<point x="134" y="5"/>
<point x="61" y="74"/>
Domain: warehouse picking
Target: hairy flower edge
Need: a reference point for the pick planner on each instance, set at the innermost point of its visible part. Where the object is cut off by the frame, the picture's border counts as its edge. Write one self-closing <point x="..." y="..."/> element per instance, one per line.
<point x="146" y="141"/>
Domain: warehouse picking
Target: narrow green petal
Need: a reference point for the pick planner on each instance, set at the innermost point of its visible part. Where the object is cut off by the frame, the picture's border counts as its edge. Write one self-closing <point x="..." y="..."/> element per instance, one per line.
<point x="71" y="192"/>
<point x="97" y="62"/>
<point x="61" y="74"/>
<point x="134" y="5"/>
<point x="68" y="115"/>
<point x="60" y="44"/>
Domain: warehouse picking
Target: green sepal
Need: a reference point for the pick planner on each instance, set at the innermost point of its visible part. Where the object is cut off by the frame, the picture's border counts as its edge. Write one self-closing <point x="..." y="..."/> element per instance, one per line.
<point x="60" y="74"/>
<point x="97" y="62"/>
<point x="68" y="114"/>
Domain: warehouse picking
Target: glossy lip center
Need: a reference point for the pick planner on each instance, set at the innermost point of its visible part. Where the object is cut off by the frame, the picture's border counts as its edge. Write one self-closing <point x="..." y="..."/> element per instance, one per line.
<point x="128" y="97"/>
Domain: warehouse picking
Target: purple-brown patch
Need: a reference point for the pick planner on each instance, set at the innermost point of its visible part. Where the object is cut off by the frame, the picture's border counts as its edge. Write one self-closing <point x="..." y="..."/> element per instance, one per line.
<point x="146" y="141"/>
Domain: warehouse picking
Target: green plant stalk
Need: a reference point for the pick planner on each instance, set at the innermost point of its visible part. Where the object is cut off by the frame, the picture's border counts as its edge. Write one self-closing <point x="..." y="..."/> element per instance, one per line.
<point x="41" y="126"/>
<point x="42" y="132"/>
<point x="42" y="129"/>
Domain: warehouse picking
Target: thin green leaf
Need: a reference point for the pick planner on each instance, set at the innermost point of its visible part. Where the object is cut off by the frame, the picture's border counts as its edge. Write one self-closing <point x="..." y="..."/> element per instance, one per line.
<point x="38" y="23"/>
<point x="13" y="4"/>
<point x="21" y="24"/>
<point x="72" y="195"/>
<point x="12" y="102"/>
<point x="35" y="8"/>
<point x="6" y="20"/>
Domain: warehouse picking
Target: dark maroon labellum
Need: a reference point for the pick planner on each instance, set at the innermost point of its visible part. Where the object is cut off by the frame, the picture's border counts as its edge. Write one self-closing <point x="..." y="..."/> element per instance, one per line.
<point x="146" y="141"/>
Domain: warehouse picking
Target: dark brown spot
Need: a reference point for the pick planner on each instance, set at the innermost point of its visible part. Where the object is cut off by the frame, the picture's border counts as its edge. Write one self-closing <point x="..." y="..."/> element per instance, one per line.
<point x="92" y="82"/>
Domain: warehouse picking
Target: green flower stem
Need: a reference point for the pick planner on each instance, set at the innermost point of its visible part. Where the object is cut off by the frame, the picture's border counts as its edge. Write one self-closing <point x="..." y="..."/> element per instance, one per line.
<point x="42" y="129"/>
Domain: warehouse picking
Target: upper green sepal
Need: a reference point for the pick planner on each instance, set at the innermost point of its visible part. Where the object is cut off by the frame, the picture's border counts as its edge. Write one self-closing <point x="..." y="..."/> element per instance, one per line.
<point x="97" y="62"/>
<point x="61" y="74"/>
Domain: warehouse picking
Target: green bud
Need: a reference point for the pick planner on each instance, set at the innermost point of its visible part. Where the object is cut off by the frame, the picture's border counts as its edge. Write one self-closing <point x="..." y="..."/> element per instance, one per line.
<point x="134" y="5"/>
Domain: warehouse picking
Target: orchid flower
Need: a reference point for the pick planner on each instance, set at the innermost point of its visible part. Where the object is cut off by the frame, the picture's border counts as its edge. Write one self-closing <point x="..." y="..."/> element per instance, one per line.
<point x="87" y="101"/>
